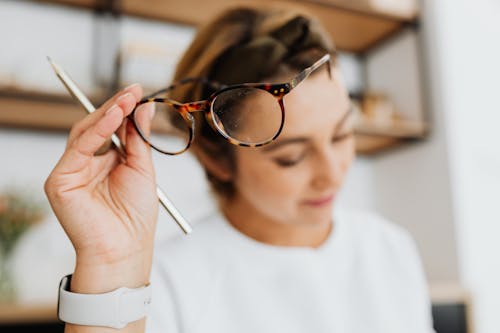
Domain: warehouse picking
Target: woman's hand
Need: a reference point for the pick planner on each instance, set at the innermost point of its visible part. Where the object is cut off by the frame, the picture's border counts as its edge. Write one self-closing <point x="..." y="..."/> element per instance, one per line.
<point x="107" y="205"/>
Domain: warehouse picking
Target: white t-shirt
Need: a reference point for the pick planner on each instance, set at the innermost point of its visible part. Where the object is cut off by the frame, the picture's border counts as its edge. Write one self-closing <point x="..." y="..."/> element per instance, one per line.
<point x="366" y="277"/>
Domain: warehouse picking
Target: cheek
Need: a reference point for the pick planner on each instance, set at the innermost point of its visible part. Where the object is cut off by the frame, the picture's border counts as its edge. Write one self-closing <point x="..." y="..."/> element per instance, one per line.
<point x="346" y="153"/>
<point x="259" y="178"/>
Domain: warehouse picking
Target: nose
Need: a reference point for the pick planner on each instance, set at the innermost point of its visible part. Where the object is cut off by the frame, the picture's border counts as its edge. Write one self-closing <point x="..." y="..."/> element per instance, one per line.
<point x="327" y="170"/>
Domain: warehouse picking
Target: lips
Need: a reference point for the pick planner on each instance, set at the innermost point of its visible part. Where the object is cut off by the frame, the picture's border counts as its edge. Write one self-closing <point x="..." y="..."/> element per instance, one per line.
<point x="320" y="201"/>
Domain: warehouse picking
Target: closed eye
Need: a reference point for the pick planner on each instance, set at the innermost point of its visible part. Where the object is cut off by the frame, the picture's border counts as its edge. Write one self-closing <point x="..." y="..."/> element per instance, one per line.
<point x="288" y="162"/>
<point x="342" y="137"/>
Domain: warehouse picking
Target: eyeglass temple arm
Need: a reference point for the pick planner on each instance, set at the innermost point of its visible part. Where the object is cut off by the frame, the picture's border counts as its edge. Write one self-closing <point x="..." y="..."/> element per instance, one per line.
<point x="197" y="106"/>
<point x="306" y="72"/>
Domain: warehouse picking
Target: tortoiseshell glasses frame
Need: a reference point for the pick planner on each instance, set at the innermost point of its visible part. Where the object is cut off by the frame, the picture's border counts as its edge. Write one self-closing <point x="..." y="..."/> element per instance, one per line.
<point x="277" y="90"/>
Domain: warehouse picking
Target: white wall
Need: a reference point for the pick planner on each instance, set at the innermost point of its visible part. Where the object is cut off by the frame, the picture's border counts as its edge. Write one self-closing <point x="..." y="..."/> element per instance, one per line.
<point x="465" y="37"/>
<point x="30" y="32"/>
<point x="412" y="184"/>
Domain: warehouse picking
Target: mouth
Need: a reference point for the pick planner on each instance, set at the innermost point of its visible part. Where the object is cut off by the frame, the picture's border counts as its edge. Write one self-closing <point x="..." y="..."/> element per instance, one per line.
<point x="319" y="202"/>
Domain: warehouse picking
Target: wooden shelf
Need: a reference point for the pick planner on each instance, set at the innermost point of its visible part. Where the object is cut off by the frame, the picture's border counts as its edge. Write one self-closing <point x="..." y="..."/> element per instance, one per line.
<point x="354" y="28"/>
<point x="35" y="110"/>
<point x="373" y="137"/>
<point x="408" y="11"/>
<point x="21" y="313"/>
<point x="38" y="111"/>
<point x="396" y="128"/>
<point x="370" y="144"/>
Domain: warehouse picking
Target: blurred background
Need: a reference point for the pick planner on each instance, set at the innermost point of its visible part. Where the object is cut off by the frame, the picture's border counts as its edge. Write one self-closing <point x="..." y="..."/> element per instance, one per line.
<point x="423" y="74"/>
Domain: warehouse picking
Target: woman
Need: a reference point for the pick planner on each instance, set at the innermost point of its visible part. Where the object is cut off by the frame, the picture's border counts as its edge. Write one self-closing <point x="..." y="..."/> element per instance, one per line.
<point x="274" y="257"/>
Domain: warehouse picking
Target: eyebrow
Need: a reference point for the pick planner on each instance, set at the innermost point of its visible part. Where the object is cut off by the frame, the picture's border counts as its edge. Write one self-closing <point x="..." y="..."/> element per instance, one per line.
<point x="278" y="144"/>
<point x="297" y="140"/>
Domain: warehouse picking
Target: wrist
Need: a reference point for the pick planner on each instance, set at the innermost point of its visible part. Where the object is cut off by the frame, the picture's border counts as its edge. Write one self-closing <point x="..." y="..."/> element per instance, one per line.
<point x="90" y="277"/>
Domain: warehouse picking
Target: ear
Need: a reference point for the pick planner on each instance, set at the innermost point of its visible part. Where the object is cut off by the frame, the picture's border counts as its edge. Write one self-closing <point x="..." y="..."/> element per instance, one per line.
<point x="219" y="168"/>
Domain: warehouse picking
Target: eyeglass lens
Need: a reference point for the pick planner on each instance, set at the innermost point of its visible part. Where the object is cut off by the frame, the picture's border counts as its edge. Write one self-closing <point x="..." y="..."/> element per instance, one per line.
<point x="171" y="131"/>
<point x="248" y="115"/>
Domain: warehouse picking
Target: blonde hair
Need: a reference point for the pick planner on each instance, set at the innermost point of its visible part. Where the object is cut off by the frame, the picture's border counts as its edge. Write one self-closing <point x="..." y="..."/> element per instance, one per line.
<point x="295" y="39"/>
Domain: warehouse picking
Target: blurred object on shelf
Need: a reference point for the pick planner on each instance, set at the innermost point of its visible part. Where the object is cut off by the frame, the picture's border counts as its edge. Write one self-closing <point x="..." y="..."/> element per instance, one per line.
<point x="378" y="116"/>
<point x="378" y="108"/>
<point x="378" y="126"/>
<point x="18" y="212"/>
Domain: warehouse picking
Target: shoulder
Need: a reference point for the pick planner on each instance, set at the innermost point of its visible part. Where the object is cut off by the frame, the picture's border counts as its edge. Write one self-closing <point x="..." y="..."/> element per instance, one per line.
<point x="374" y="229"/>
<point x="387" y="254"/>
<point x="373" y="236"/>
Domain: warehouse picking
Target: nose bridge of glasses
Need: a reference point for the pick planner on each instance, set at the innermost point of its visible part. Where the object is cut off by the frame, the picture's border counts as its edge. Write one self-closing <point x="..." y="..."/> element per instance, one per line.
<point x="277" y="90"/>
<point x="195" y="106"/>
<point x="176" y="105"/>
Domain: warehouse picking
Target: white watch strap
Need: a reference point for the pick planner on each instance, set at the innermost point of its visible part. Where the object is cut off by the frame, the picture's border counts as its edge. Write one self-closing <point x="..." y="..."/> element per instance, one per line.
<point x="112" y="309"/>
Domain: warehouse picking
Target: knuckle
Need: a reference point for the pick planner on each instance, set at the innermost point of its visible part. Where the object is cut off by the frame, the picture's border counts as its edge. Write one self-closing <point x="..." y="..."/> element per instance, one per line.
<point x="78" y="148"/>
<point x="75" y="128"/>
<point x="47" y="186"/>
<point x="58" y="196"/>
<point x="53" y="191"/>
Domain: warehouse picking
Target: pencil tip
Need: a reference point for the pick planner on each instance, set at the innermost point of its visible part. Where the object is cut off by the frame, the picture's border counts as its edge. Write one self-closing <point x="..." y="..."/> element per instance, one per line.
<point x="54" y="66"/>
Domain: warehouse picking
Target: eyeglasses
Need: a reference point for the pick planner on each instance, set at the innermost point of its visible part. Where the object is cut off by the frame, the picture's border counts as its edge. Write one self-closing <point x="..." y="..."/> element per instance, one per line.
<point x="247" y="114"/>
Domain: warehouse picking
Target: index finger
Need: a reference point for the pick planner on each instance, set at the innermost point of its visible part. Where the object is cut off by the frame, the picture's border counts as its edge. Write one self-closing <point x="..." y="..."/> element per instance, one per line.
<point x="78" y="155"/>
<point x="79" y="127"/>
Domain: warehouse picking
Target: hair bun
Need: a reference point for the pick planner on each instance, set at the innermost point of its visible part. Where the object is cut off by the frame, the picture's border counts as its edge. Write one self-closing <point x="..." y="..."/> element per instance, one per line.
<point x="260" y="54"/>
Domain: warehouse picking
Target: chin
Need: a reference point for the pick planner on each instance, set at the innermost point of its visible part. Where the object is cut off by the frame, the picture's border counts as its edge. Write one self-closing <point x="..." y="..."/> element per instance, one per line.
<point x="316" y="215"/>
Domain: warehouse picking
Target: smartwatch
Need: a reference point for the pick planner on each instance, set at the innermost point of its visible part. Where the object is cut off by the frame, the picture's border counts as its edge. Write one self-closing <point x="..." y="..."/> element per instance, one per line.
<point x="113" y="309"/>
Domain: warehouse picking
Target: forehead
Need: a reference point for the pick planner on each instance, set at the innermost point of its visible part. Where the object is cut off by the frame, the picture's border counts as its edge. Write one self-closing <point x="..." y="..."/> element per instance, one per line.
<point x="317" y="103"/>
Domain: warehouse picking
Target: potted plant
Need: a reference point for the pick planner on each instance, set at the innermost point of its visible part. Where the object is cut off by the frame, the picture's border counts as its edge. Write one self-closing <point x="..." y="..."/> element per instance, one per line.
<point x="18" y="212"/>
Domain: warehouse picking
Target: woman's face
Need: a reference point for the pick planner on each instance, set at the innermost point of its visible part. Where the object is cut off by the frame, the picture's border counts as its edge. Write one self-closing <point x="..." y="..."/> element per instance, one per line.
<point x="296" y="178"/>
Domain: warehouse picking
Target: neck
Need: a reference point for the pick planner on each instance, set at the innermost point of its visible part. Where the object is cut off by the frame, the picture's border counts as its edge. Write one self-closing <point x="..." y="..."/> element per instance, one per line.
<point x="252" y="223"/>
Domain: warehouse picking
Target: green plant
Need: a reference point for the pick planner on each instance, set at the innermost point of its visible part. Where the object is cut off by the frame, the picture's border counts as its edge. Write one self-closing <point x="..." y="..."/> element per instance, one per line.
<point x="18" y="212"/>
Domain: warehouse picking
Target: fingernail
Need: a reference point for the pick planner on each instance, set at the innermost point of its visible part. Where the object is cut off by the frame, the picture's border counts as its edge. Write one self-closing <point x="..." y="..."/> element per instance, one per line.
<point x="122" y="97"/>
<point x="113" y="109"/>
<point x="133" y="85"/>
